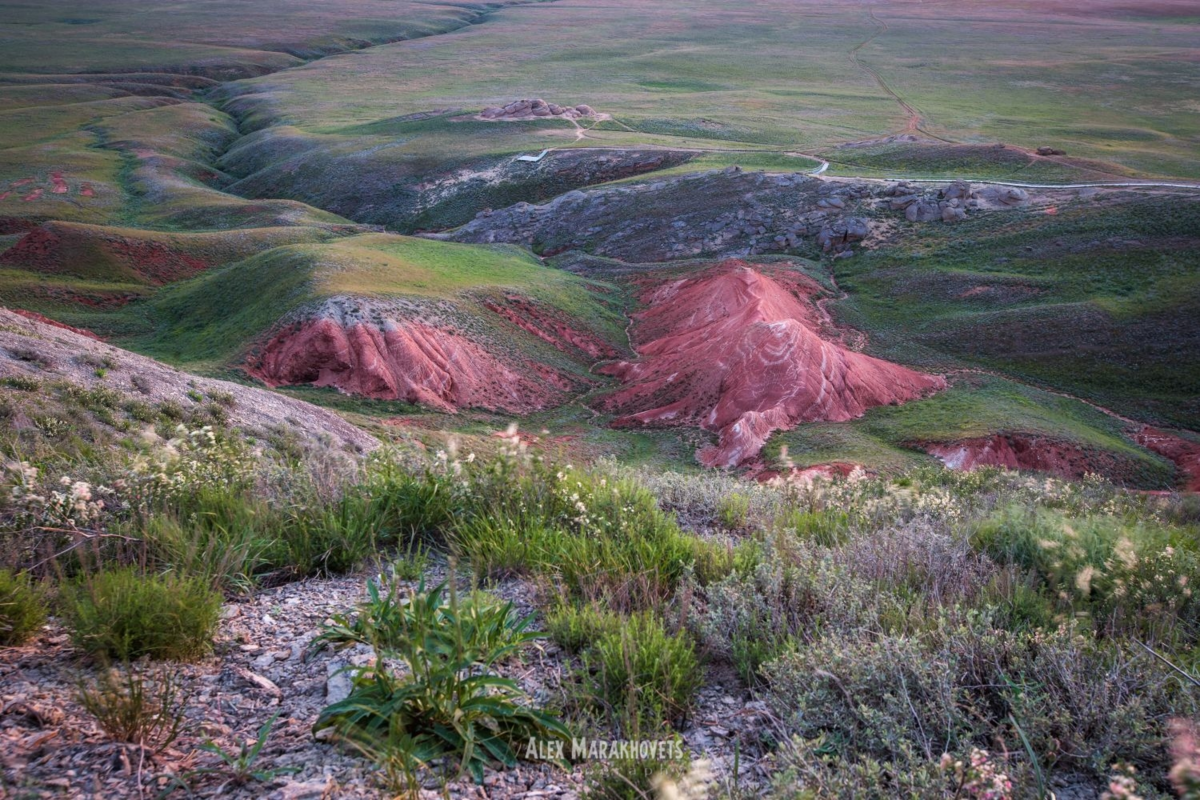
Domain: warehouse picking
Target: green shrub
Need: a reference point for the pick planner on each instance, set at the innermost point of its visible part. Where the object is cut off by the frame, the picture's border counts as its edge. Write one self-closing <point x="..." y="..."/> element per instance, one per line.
<point x="716" y="560"/>
<point x="576" y="628"/>
<point x="496" y="548"/>
<point x="411" y="505"/>
<point x="826" y="528"/>
<point x="645" y="676"/>
<point x="818" y="769"/>
<point x="733" y="510"/>
<point x="330" y="539"/>
<point x="22" y="608"/>
<point x="1080" y="704"/>
<point x="451" y="703"/>
<point x="796" y="590"/>
<point x="603" y="539"/>
<point x="125" y="614"/>
<point x="228" y="558"/>
<point x="1134" y="578"/>
<point x="139" y="706"/>
<point x="412" y="562"/>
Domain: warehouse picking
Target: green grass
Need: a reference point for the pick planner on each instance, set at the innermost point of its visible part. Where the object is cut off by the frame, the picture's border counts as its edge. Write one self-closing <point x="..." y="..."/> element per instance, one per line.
<point x="777" y="77"/>
<point x="22" y="608"/>
<point x="1097" y="301"/>
<point x="213" y="317"/>
<point x="228" y="38"/>
<point x="123" y="614"/>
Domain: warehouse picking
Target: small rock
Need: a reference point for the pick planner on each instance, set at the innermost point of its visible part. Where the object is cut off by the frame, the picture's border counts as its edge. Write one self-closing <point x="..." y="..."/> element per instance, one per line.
<point x="316" y="789"/>
<point x="952" y="214"/>
<point x="922" y="212"/>
<point x="338" y="684"/>
<point x="259" y="682"/>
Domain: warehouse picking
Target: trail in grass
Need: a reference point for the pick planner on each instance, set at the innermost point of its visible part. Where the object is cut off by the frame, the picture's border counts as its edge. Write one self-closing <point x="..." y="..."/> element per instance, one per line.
<point x="915" y="120"/>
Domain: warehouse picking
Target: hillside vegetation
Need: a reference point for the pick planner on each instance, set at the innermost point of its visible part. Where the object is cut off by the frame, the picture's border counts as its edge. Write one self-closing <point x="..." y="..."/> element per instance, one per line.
<point x="784" y="399"/>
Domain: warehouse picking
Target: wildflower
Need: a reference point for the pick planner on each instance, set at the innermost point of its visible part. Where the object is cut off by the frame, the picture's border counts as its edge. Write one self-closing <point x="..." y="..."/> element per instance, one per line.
<point x="1083" y="581"/>
<point x="1125" y="552"/>
<point x="1122" y="785"/>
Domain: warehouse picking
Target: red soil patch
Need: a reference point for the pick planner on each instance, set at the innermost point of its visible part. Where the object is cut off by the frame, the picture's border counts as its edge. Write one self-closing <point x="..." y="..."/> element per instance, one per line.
<point x="59" y="185"/>
<point x="102" y="300"/>
<point x="22" y="182"/>
<point x="16" y="225"/>
<point x="734" y="351"/>
<point x="59" y="248"/>
<point x="530" y="318"/>
<point x="87" y="191"/>
<point x="1014" y="451"/>
<point x="34" y="195"/>
<point x="1185" y="453"/>
<point x="408" y="361"/>
<point x="33" y="315"/>
<point x="4" y="195"/>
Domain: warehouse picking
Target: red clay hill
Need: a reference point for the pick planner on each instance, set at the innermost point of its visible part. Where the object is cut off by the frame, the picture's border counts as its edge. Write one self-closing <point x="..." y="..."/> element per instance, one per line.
<point x="354" y="348"/>
<point x="734" y="351"/>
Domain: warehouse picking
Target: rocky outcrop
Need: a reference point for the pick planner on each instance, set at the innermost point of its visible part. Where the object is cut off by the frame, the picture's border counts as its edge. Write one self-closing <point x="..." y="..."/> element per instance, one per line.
<point x="530" y="109"/>
<point x="922" y="211"/>
<point x="351" y="346"/>
<point x="1003" y="195"/>
<point x="718" y="214"/>
<point x="840" y="234"/>
<point x="737" y="352"/>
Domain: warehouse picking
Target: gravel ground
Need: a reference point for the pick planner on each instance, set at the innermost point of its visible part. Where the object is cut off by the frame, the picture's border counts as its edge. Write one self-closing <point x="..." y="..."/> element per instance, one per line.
<point x="51" y="747"/>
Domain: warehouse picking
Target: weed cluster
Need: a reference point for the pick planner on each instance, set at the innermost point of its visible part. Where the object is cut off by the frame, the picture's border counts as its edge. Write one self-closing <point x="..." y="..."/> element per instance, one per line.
<point x="450" y="705"/>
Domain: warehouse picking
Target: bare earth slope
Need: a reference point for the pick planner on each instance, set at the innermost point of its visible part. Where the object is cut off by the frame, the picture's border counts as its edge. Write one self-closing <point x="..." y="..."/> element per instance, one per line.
<point x="29" y="347"/>
<point x="737" y="352"/>
<point x="365" y="348"/>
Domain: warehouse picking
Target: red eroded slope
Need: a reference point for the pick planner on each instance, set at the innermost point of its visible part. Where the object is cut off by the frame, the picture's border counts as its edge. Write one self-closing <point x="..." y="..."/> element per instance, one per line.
<point x="1016" y="451"/>
<point x="408" y="361"/>
<point x="734" y="351"/>
<point x="532" y="319"/>
<point x="1185" y="453"/>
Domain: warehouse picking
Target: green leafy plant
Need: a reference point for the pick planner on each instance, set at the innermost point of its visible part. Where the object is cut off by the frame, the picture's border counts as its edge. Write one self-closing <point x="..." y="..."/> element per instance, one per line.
<point x="125" y="614"/>
<point x="412" y="562"/>
<point x="141" y="706"/>
<point x="733" y="510"/>
<point x="239" y="768"/>
<point x="452" y="704"/>
<point x="22" y="609"/>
